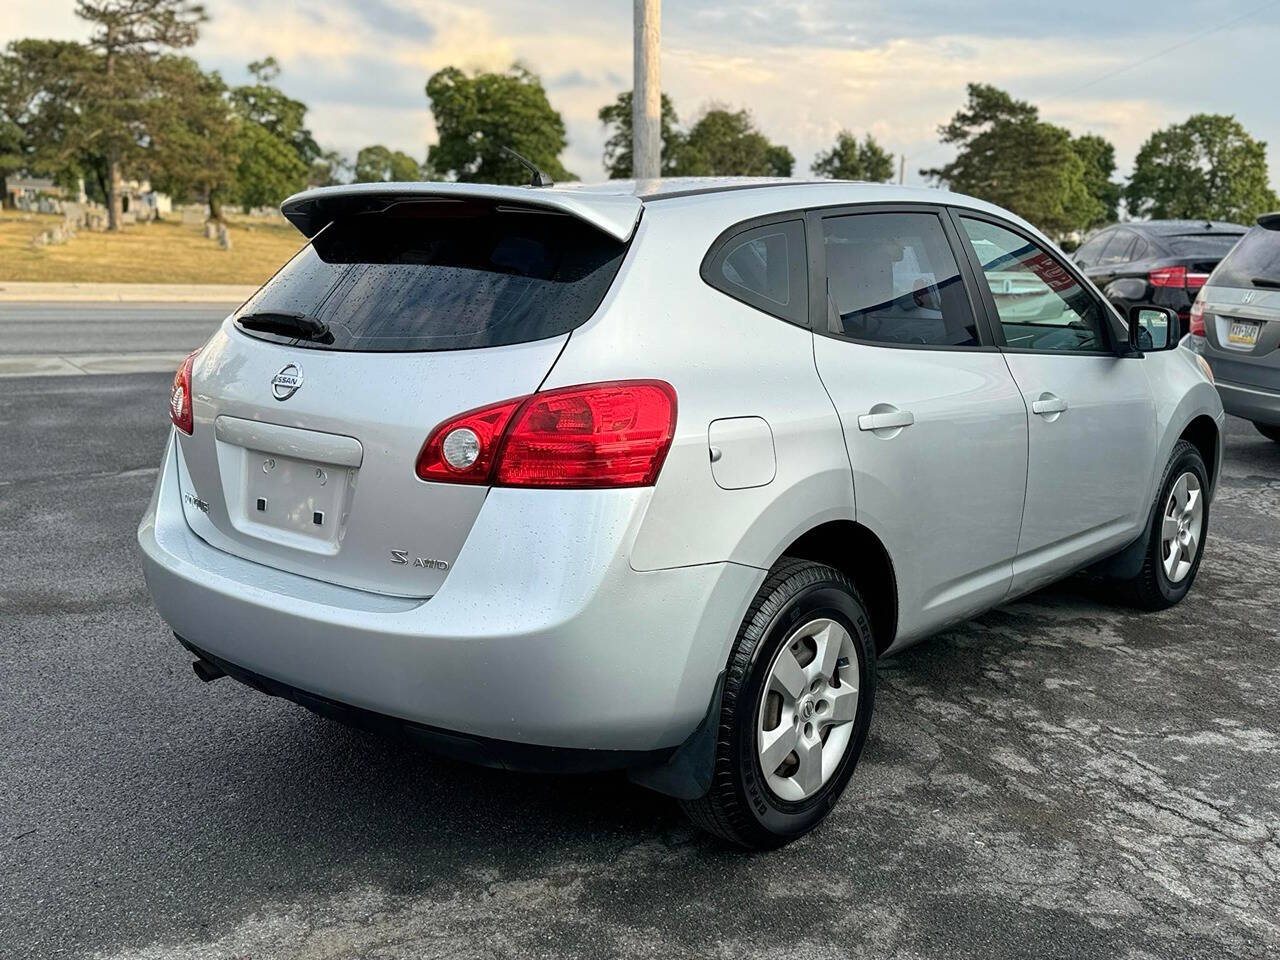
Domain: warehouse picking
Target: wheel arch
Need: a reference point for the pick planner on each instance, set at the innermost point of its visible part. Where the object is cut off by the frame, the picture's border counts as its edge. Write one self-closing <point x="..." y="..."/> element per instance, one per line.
<point x="859" y="554"/>
<point x="1202" y="433"/>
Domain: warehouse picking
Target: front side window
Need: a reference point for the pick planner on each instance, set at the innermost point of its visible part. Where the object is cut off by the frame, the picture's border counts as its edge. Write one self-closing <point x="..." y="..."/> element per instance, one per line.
<point x="1040" y="304"/>
<point x="766" y="267"/>
<point x="891" y="278"/>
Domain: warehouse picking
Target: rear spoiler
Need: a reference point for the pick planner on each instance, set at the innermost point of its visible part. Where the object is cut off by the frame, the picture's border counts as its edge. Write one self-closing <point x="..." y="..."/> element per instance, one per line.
<point x="312" y="210"/>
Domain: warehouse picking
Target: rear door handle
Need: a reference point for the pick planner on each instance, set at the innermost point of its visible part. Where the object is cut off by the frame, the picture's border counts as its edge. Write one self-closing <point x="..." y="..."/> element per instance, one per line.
<point x="886" y="421"/>
<point x="1048" y="404"/>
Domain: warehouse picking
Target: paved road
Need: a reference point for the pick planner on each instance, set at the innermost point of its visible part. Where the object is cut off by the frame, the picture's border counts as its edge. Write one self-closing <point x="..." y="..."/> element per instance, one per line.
<point x="83" y="328"/>
<point x="1058" y="779"/>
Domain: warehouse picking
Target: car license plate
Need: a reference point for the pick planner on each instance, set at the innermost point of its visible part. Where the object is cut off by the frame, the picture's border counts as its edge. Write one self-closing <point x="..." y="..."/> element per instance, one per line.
<point x="1243" y="332"/>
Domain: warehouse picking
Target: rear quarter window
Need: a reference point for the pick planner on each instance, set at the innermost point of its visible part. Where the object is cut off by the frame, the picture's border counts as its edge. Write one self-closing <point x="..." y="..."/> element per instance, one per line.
<point x="443" y="275"/>
<point x="765" y="266"/>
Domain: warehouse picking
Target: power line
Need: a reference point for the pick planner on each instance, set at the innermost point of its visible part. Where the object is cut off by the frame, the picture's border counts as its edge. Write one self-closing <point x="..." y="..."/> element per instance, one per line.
<point x="1139" y="62"/>
<point x="1177" y="46"/>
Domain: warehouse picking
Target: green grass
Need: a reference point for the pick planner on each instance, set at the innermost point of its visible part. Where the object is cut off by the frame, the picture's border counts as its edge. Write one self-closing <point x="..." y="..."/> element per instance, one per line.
<point x="161" y="252"/>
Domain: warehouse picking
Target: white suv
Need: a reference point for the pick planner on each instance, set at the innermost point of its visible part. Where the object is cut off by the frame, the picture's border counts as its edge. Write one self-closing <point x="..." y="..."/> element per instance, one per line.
<point x="648" y="476"/>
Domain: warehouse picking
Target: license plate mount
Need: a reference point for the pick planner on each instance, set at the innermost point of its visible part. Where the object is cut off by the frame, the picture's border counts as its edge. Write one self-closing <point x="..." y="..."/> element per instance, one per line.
<point x="1243" y="333"/>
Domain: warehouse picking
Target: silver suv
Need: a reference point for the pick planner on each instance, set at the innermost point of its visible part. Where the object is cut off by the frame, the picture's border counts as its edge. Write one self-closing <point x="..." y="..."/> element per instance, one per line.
<point x="649" y="476"/>
<point x="1235" y="325"/>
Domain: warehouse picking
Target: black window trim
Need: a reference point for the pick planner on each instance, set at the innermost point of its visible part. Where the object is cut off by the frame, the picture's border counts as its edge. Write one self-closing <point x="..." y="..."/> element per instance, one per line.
<point x="1114" y="333"/>
<point x="818" y="278"/>
<point x="799" y="316"/>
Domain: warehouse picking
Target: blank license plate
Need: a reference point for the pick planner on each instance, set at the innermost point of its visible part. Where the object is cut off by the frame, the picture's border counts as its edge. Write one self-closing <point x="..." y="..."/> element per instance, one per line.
<point x="1243" y="332"/>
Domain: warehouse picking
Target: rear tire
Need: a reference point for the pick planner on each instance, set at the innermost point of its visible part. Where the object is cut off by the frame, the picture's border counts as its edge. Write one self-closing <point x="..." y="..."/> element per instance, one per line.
<point x="805" y="616"/>
<point x="1270" y="431"/>
<point x="1176" y="536"/>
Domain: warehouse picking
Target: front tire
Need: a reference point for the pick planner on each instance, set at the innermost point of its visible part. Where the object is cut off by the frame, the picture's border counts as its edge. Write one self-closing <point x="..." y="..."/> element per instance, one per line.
<point x="1176" y="536"/>
<point x="1270" y="431"/>
<point x="798" y="694"/>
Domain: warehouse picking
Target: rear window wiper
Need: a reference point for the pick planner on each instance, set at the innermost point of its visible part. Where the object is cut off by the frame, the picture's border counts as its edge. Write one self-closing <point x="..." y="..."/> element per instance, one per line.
<point x="1266" y="282"/>
<point x="286" y="324"/>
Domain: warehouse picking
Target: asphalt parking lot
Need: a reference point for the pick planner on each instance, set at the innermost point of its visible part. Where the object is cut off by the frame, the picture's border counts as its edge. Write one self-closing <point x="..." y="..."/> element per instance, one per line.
<point x="1060" y="778"/>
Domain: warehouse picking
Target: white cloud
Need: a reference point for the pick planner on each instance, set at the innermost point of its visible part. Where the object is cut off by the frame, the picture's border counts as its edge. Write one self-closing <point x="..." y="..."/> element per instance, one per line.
<point x="804" y="69"/>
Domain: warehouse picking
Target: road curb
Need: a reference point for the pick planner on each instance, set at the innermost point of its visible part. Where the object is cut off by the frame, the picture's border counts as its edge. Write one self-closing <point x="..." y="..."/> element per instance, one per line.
<point x="27" y="292"/>
<point x="87" y="364"/>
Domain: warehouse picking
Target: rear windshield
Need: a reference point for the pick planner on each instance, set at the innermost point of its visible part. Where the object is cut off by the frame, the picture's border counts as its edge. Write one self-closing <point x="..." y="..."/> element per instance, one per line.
<point x="1256" y="257"/>
<point x="442" y="275"/>
<point x="1202" y="244"/>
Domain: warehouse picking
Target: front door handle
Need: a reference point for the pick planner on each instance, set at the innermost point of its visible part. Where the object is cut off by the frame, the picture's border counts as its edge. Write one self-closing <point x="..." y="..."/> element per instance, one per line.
<point x="1048" y="406"/>
<point x="890" y="420"/>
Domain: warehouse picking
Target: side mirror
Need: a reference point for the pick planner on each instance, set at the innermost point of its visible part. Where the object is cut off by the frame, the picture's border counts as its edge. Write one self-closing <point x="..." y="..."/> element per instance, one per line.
<point x="1153" y="328"/>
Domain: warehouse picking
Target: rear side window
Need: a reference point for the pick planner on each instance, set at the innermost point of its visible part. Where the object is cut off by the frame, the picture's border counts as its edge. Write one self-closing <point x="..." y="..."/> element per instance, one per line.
<point x="443" y="275"/>
<point x="766" y="267"/>
<point x="891" y="278"/>
<point x="1091" y="249"/>
<point x="1120" y="248"/>
<point x="1202" y="244"/>
<point x="1256" y="257"/>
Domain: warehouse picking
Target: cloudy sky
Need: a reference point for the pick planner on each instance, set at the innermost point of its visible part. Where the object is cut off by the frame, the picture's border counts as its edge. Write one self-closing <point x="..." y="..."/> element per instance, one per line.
<point x="805" y="68"/>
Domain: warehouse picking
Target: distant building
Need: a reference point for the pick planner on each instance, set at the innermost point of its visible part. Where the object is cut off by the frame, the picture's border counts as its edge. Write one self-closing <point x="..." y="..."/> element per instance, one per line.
<point x="25" y="192"/>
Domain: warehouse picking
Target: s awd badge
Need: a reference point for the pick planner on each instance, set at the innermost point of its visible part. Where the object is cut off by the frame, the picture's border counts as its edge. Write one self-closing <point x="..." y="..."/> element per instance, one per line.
<point x="402" y="557"/>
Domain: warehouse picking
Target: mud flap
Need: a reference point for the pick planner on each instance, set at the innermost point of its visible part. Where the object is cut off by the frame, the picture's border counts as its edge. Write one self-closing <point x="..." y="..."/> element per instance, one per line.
<point x="687" y="774"/>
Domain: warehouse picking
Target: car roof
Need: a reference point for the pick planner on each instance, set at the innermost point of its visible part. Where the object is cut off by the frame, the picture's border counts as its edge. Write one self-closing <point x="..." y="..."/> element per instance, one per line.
<point x="615" y="205"/>
<point x="1173" y="228"/>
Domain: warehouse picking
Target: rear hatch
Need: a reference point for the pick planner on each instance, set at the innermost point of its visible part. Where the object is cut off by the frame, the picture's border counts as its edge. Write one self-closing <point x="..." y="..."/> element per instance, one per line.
<point x="313" y="400"/>
<point x="1242" y="310"/>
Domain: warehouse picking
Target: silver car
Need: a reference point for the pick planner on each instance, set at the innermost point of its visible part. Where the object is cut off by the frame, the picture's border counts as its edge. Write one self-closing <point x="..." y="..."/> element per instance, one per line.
<point x="1235" y="325"/>
<point x="648" y="476"/>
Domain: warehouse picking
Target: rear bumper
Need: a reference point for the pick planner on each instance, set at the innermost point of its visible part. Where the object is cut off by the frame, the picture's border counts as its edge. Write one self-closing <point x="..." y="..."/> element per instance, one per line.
<point x="1252" y="403"/>
<point x="542" y="634"/>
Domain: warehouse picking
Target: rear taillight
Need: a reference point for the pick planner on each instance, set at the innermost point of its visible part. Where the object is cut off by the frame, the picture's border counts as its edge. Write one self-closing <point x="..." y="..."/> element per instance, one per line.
<point x="462" y="450"/>
<point x="1196" y="326"/>
<point x="1168" y="277"/>
<point x="1196" y="280"/>
<point x="180" y="396"/>
<point x="595" y="435"/>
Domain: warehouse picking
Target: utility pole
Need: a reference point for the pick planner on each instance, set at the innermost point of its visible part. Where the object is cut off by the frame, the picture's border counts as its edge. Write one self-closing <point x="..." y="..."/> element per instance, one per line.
<point x="902" y="169"/>
<point x="646" y="93"/>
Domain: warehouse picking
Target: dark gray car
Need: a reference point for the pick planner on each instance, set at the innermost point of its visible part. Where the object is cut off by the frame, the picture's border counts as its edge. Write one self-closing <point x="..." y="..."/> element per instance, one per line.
<point x="1235" y="325"/>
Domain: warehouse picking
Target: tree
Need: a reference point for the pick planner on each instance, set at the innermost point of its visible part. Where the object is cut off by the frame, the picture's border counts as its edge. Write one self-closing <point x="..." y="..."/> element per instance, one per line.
<point x="1099" y="158"/>
<point x="850" y="160"/>
<point x="129" y="35"/>
<point x="477" y="115"/>
<point x="376" y="164"/>
<point x="727" y="143"/>
<point x="328" y="170"/>
<point x="266" y="105"/>
<point x="1008" y="156"/>
<point x="43" y="94"/>
<point x="616" y="118"/>
<point x="195" y="150"/>
<point x="1207" y="168"/>
<point x="273" y="146"/>
<point x="268" y="168"/>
